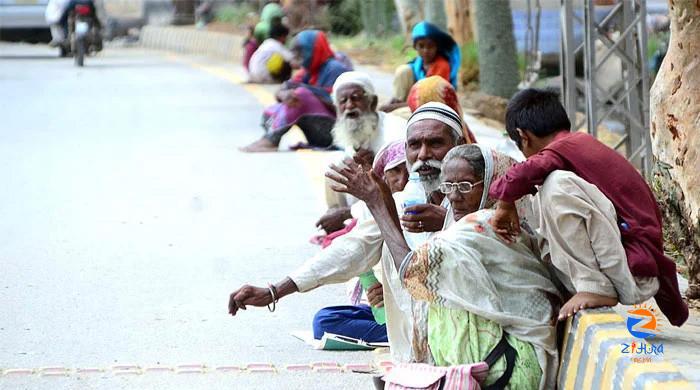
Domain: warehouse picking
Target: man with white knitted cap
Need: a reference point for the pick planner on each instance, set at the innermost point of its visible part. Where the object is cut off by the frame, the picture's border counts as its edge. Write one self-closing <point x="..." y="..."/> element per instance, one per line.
<point x="431" y="132"/>
<point x="359" y="128"/>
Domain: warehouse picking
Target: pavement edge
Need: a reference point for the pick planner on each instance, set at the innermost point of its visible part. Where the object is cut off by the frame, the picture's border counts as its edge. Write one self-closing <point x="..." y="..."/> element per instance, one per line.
<point x="591" y="357"/>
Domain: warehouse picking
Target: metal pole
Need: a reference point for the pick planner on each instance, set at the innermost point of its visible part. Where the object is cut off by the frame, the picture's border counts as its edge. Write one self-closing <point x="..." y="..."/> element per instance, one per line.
<point x="590" y="36"/>
<point x="567" y="60"/>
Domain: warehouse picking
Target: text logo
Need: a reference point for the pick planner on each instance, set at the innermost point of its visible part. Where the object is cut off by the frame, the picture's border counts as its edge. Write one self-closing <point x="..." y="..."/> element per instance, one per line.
<point x="641" y="322"/>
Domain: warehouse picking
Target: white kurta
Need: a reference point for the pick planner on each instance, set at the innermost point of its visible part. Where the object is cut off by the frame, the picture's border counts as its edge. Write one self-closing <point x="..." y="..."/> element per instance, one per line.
<point x="258" y="61"/>
<point x="353" y="254"/>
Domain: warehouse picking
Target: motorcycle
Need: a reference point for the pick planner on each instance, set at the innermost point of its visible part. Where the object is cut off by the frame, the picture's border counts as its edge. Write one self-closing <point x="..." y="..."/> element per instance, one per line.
<point x="84" y="36"/>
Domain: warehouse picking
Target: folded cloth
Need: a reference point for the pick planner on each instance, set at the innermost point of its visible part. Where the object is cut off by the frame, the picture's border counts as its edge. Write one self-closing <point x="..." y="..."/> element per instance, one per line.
<point x="424" y="376"/>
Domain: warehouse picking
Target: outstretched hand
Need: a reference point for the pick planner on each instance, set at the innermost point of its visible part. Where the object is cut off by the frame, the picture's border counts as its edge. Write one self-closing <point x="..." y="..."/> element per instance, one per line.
<point x="351" y="178"/>
<point x="248" y="295"/>
<point x="505" y="221"/>
<point x="365" y="158"/>
<point x="334" y="219"/>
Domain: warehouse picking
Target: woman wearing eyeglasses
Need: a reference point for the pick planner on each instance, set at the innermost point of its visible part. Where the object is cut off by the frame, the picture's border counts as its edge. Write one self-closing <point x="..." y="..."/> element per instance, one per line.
<point x="487" y="299"/>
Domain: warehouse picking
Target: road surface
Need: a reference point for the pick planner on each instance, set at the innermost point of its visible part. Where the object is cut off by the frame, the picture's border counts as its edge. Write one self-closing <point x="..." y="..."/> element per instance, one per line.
<point x="128" y="215"/>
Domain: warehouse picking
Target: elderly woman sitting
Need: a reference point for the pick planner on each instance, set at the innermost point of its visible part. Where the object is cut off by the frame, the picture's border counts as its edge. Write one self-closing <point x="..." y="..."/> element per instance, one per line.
<point x="473" y="292"/>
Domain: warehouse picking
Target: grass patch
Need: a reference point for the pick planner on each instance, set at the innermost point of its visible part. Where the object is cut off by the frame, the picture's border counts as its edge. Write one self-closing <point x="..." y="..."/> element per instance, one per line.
<point x="234" y="14"/>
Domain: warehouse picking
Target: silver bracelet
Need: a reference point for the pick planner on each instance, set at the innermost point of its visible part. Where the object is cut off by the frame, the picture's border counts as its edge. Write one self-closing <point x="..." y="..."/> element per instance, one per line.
<point x="274" y="298"/>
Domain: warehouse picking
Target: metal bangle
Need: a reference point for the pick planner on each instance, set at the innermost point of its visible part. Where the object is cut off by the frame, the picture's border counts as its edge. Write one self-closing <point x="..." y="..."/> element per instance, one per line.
<point x="274" y="298"/>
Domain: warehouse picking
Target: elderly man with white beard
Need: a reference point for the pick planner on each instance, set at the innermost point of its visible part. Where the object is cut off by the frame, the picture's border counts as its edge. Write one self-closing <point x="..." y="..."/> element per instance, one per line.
<point x="360" y="130"/>
<point x="432" y="131"/>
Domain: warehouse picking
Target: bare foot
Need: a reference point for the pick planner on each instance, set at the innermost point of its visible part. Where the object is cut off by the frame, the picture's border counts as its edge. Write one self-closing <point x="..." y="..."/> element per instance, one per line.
<point x="584" y="300"/>
<point x="260" y="146"/>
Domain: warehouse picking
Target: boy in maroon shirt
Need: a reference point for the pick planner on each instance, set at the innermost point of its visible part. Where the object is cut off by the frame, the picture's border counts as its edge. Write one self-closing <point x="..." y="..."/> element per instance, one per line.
<point x="590" y="198"/>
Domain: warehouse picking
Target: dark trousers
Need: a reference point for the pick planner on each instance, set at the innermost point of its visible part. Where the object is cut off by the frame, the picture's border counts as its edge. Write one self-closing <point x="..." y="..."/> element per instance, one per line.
<point x="351" y="321"/>
<point x="317" y="130"/>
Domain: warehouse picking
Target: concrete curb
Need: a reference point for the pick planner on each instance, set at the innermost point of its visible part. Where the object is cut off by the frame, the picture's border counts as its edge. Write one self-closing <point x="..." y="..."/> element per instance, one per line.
<point x="592" y="357"/>
<point x="189" y="40"/>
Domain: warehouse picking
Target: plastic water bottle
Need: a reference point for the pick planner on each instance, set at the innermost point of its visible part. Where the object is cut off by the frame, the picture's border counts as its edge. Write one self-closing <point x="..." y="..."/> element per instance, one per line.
<point x="414" y="194"/>
<point x="368" y="280"/>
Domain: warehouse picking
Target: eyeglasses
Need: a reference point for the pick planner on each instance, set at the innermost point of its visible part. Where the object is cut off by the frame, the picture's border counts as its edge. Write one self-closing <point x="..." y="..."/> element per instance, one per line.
<point x="463" y="187"/>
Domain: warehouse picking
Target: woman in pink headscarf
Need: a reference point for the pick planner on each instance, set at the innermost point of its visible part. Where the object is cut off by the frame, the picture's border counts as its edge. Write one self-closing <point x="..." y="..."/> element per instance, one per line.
<point x="390" y="163"/>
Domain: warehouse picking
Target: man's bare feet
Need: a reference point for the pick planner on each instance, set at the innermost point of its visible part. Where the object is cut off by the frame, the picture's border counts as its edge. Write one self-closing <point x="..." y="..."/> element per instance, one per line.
<point x="260" y="146"/>
<point x="584" y="300"/>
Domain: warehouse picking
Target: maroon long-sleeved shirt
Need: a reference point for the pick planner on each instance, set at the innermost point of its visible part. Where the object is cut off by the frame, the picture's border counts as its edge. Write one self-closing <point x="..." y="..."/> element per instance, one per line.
<point x="637" y="212"/>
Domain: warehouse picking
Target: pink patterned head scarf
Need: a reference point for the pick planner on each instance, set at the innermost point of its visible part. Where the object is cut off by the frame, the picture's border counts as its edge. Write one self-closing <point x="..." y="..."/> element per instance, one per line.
<point x="389" y="157"/>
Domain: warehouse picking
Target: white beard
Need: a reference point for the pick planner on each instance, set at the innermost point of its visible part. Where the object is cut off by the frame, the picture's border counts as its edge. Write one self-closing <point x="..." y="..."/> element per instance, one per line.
<point x="355" y="133"/>
<point x="430" y="182"/>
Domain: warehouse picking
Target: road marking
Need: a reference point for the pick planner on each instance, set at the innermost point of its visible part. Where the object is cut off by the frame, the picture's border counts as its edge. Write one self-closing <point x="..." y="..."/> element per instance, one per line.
<point x="256" y="368"/>
<point x="298" y="367"/>
<point x="18" y="371"/>
<point x="159" y="369"/>
<point x="90" y="370"/>
<point x="229" y="368"/>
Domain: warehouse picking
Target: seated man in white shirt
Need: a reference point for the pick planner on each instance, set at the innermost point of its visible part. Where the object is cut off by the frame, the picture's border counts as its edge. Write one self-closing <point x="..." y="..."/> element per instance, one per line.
<point x="271" y="62"/>
<point x="359" y="128"/>
<point x="357" y="320"/>
<point x="428" y="141"/>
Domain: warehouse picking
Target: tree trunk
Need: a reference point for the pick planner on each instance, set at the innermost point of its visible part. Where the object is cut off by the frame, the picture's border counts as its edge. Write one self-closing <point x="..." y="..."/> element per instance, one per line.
<point x="459" y="23"/>
<point x="410" y="12"/>
<point x="434" y="11"/>
<point x="675" y="122"/>
<point x="498" y="63"/>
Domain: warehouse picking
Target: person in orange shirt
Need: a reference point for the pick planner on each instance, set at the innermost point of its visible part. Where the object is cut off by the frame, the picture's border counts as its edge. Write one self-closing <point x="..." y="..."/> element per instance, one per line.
<point x="438" y="55"/>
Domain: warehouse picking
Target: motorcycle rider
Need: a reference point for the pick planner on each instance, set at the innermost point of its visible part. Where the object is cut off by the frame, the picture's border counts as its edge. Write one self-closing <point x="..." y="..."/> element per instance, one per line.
<point x="57" y="17"/>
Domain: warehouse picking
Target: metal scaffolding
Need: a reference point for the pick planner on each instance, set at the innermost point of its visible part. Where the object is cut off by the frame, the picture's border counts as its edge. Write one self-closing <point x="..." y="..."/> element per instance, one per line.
<point x="621" y="28"/>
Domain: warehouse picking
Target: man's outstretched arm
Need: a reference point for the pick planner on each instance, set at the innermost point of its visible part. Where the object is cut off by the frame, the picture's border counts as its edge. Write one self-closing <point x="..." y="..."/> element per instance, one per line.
<point x="350" y="255"/>
<point x="259" y="296"/>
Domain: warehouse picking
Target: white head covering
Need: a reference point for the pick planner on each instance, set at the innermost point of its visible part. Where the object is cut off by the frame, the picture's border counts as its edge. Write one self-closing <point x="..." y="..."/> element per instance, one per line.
<point x="440" y="112"/>
<point x="488" y="173"/>
<point x="354" y="77"/>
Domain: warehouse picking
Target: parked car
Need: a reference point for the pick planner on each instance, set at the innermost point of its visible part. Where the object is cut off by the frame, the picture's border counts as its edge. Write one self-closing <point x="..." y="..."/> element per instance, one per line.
<point x="24" y="20"/>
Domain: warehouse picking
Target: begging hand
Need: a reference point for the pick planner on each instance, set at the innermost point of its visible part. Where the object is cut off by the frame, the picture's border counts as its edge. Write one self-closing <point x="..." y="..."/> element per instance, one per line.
<point x="365" y="158"/>
<point x="351" y="178"/>
<point x="334" y="219"/>
<point x="248" y="295"/>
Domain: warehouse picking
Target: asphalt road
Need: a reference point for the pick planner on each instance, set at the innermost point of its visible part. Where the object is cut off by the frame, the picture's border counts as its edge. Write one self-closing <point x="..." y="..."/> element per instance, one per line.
<point x="127" y="216"/>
